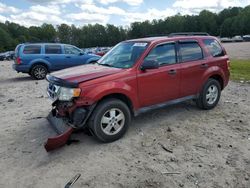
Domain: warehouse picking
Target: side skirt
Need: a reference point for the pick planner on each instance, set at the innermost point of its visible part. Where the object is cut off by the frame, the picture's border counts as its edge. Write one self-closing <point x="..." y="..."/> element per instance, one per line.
<point x="162" y="105"/>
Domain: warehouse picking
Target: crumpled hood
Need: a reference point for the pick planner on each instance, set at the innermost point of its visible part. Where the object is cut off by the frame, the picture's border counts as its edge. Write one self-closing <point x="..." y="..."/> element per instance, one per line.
<point x="85" y="72"/>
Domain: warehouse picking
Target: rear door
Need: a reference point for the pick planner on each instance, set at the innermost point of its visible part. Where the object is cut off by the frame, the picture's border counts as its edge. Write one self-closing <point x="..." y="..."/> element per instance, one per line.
<point x="192" y="66"/>
<point x="53" y="54"/>
<point x="29" y="53"/>
<point x="159" y="85"/>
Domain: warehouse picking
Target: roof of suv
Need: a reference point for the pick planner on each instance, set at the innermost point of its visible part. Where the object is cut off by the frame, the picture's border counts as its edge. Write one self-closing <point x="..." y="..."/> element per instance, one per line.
<point x="159" y="39"/>
<point x="43" y="43"/>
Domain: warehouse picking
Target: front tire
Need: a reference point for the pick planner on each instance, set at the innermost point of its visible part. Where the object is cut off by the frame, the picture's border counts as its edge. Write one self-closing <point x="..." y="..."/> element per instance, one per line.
<point x="210" y="95"/>
<point x="39" y="72"/>
<point x="110" y="120"/>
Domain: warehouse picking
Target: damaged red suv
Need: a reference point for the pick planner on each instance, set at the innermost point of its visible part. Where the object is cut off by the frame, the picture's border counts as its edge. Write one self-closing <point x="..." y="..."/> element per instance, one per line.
<point x="137" y="76"/>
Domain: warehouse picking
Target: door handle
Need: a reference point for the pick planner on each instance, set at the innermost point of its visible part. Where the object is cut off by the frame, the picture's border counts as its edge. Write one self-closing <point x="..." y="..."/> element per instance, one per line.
<point x="204" y="65"/>
<point x="47" y="57"/>
<point x="172" y="72"/>
<point x="67" y="56"/>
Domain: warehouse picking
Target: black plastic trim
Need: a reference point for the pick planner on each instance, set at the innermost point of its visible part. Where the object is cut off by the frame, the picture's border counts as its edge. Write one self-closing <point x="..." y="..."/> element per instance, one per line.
<point x="164" y="104"/>
<point x="61" y="82"/>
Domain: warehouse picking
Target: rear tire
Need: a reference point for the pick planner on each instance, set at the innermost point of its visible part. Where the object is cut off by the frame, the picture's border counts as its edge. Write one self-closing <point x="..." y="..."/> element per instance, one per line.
<point x="39" y="72"/>
<point x="210" y="95"/>
<point x="110" y="120"/>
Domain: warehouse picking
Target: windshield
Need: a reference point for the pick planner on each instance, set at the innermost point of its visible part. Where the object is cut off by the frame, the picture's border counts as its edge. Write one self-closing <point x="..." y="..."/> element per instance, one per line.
<point x="123" y="55"/>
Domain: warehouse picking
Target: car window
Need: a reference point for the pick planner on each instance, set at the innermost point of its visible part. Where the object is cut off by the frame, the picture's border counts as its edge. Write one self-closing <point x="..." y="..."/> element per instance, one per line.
<point x="53" y="49"/>
<point x="214" y="47"/>
<point x="164" y="54"/>
<point x="16" y="53"/>
<point x="190" y="51"/>
<point x="72" y="50"/>
<point x="32" y="49"/>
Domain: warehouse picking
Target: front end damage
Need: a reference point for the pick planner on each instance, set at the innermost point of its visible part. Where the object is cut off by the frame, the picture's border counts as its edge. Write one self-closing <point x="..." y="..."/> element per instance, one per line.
<point x="65" y="116"/>
<point x="63" y="133"/>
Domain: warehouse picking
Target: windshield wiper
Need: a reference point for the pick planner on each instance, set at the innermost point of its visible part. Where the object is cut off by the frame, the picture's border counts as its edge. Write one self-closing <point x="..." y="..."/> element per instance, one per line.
<point x="107" y="65"/>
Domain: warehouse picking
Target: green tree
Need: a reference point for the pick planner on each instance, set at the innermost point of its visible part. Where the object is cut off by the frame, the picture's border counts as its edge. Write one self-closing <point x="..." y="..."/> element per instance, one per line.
<point x="207" y="22"/>
<point x="64" y="33"/>
<point x="5" y="40"/>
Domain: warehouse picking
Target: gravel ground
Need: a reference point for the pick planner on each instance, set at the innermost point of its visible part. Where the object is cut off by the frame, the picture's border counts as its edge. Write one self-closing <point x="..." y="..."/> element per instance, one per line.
<point x="238" y="50"/>
<point x="208" y="148"/>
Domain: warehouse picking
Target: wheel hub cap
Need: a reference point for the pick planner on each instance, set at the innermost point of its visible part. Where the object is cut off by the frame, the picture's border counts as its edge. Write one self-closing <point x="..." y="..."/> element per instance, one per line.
<point x="39" y="73"/>
<point x="212" y="94"/>
<point x="112" y="121"/>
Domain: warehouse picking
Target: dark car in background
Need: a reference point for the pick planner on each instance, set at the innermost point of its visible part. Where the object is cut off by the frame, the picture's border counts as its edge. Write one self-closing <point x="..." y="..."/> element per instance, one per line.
<point x="38" y="59"/>
<point x="7" y="55"/>
<point x="2" y="56"/>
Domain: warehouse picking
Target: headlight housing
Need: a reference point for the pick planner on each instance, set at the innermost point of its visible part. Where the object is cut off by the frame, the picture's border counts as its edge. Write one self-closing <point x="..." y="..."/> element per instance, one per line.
<point x="66" y="94"/>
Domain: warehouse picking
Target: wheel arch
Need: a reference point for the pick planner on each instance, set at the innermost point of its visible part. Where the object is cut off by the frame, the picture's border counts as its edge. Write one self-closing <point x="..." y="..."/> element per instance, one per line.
<point x="216" y="73"/>
<point x="219" y="79"/>
<point x="40" y="63"/>
<point x="124" y="98"/>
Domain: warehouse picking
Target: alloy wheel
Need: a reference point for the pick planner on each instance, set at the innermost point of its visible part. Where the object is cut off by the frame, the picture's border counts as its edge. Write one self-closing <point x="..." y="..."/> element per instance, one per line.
<point x="112" y="121"/>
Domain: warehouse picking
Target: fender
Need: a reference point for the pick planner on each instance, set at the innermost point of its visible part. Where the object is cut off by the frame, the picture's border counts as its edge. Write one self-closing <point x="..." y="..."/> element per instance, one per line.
<point x="211" y="71"/>
<point x="96" y="93"/>
<point x="94" y="58"/>
<point x="40" y="60"/>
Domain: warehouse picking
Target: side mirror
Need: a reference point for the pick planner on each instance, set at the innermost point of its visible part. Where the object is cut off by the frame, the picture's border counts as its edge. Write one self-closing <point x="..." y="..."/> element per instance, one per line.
<point x="150" y="65"/>
<point x="81" y="53"/>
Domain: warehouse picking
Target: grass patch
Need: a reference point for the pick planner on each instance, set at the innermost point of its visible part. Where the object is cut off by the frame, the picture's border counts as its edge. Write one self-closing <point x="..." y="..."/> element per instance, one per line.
<point x="240" y="70"/>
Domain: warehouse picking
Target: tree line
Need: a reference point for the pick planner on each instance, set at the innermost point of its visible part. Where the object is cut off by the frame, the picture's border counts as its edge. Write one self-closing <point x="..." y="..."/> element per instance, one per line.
<point x="227" y="23"/>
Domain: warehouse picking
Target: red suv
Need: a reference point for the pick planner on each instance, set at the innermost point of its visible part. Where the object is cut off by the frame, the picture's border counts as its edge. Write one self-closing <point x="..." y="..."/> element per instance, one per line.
<point x="137" y="76"/>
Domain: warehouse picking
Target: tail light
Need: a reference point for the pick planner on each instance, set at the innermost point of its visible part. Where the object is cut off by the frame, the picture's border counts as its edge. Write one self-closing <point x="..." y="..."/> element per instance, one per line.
<point x="18" y="60"/>
<point x="228" y="64"/>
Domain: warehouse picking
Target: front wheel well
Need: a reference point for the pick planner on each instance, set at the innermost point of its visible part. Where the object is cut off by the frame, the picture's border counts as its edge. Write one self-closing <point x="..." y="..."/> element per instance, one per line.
<point x="219" y="79"/>
<point x="121" y="97"/>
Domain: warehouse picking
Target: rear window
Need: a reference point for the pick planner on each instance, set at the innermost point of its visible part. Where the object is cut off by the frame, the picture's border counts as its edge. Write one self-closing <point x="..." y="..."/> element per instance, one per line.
<point x="190" y="51"/>
<point x="53" y="49"/>
<point x="16" y="53"/>
<point x="32" y="49"/>
<point x="214" y="47"/>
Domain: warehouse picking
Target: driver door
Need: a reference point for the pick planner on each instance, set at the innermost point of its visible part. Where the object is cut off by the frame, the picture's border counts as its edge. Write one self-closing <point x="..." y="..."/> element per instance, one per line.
<point x="156" y="86"/>
<point x="73" y="56"/>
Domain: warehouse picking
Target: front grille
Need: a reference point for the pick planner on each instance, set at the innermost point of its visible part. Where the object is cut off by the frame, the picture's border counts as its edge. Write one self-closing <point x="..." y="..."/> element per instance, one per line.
<point x="52" y="91"/>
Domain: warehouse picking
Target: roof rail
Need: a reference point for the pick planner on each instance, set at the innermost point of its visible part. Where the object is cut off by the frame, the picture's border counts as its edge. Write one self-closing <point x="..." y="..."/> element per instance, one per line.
<point x="188" y="34"/>
<point x="155" y="35"/>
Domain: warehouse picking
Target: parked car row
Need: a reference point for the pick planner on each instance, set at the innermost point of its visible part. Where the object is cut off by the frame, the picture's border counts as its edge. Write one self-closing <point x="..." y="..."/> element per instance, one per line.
<point x="101" y="51"/>
<point x="7" y="56"/>
<point x="236" y="39"/>
<point x="38" y="59"/>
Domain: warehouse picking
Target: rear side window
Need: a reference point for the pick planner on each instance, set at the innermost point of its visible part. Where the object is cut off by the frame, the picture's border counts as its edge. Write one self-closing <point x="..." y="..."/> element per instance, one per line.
<point x="164" y="54"/>
<point x="214" y="47"/>
<point x="53" y="49"/>
<point x="32" y="49"/>
<point x="190" y="51"/>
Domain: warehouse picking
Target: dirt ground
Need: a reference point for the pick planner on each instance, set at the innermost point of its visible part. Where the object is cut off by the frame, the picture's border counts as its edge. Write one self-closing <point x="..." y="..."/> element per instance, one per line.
<point x="209" y="148"/>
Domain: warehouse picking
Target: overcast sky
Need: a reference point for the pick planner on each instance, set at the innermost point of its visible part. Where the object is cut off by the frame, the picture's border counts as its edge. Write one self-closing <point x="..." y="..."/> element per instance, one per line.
<point x="117" y="12"/>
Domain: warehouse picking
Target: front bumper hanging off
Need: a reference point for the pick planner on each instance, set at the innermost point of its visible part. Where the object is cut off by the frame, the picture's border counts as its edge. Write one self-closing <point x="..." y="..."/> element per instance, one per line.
<point x="62" y="129"/>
